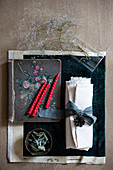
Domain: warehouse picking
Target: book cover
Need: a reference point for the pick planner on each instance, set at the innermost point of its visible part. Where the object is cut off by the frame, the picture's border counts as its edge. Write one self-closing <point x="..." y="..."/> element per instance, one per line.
<point x="26" y="77"/>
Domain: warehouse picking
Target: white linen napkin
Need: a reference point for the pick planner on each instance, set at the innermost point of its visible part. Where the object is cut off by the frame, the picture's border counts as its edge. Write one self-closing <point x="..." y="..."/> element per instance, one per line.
<point x="80" y="91"/>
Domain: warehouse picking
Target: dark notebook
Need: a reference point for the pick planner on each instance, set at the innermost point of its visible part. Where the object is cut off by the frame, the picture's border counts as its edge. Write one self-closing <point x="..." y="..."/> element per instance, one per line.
<point x="26" y="77"/>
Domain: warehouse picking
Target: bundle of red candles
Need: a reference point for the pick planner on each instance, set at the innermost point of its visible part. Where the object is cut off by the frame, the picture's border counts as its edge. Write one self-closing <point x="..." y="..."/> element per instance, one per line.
<point x="41" y="95"/>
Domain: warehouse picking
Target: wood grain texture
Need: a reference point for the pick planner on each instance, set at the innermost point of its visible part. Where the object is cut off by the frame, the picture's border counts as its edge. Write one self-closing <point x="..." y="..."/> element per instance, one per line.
<point x="96" y="30"/>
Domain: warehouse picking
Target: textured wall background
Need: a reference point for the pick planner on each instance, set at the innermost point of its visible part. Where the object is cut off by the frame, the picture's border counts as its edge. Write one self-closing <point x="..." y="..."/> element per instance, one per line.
<point x="90" y="20"/>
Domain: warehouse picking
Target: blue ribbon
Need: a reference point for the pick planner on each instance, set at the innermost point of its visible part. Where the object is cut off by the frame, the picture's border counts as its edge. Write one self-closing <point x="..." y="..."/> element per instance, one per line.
<point x="51" y="113"/>
<point x="86" y="115"/>
<point x="70" y="109"/>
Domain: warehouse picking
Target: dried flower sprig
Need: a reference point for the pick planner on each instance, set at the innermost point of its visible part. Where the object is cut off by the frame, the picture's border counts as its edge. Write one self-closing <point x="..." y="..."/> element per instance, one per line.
<point x="38" y="141"/>
<point x="78" y="121"/>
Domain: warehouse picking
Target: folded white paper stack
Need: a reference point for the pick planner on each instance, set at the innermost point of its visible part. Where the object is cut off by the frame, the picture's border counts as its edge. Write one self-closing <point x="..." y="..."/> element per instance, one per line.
<point x="80" y="91"/>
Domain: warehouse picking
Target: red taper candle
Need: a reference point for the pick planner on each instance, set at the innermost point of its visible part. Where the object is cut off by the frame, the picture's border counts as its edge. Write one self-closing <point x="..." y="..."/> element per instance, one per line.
<point x="36" y="99"/>
<point x="40" y="100"/>
<point x="51" y="92"/>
